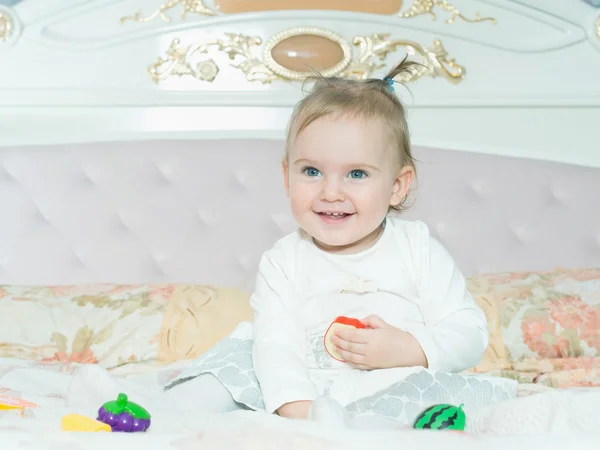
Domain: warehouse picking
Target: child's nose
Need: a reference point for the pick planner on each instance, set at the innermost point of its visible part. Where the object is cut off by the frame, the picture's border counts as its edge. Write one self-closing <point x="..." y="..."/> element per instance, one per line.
<point x="332" y="191"/>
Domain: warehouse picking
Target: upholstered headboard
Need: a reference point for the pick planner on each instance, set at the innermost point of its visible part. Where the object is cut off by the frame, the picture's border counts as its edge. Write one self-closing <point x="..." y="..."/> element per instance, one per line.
<point x="204" y="211"/>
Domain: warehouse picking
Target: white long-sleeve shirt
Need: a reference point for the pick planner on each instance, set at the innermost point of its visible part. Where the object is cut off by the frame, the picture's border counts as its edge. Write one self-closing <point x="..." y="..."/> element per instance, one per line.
<point x="407" y="278"/>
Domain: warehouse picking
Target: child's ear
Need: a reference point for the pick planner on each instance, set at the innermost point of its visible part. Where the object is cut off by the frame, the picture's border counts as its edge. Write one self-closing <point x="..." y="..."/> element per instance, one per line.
<point x="402" y="185"/>
<point x="286" y="175"/>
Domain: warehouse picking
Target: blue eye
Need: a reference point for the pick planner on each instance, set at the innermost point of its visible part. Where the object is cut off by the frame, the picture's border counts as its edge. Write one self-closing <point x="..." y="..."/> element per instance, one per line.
<point x="357" y="174"/>
<point x="311" y="172"/>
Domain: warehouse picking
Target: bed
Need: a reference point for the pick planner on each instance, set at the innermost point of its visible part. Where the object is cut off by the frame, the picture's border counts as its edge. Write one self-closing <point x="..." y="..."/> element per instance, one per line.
<point x="140" y="144"/>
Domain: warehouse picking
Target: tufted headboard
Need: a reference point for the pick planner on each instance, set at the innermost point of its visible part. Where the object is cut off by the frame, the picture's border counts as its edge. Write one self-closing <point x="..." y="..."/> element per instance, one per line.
<point x="204" y="211"/>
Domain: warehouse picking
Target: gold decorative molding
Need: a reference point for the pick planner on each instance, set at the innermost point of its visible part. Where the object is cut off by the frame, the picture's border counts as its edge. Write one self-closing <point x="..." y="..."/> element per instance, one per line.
<point x="189" y="7"/>
<point x="417" y="8"/>
<point x="422" y="7"/>
<point x="373" y="50"/>
<point x="434" y="60"/>
<point x="6" y="26"/>
<point x="178" y="62"/>
<point x="181" y="60"/>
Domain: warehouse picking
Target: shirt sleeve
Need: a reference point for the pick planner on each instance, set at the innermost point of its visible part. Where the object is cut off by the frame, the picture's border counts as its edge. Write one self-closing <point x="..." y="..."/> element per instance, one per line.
<point x="279" y="355"/>
<point x="456" y="331"/>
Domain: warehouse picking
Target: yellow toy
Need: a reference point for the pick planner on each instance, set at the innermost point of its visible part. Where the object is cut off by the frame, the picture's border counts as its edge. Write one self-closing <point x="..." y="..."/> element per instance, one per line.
<point x="5" y="406"/>
<point x="77" y="422"/>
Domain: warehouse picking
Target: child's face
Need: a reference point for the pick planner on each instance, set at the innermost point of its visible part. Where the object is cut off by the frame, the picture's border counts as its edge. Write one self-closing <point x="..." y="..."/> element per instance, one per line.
<point x="341" y="175"/>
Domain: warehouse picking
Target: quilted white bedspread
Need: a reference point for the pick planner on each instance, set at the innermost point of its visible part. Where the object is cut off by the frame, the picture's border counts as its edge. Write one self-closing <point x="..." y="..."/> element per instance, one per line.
<point x="552" y="419"/>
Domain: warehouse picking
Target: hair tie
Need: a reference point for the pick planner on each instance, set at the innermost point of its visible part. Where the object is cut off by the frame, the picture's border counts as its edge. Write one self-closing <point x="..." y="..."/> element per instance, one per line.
<point x="390" y="82"/>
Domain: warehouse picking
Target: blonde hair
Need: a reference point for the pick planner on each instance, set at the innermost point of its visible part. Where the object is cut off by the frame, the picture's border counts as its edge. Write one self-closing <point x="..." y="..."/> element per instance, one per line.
<point x="370" y="99"/>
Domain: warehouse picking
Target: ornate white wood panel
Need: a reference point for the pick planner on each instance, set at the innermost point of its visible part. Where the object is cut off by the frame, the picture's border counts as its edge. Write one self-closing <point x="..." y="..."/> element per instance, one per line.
<point x="522" y="79"/>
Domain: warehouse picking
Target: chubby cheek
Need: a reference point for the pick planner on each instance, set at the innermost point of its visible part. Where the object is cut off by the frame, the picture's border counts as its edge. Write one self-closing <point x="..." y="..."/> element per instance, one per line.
<point x="301" y="198"/>
<point x="372" y="200"/>
<point x="372" y="207"/>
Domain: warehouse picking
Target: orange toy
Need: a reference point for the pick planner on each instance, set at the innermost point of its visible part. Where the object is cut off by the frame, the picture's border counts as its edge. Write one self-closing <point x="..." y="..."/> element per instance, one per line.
<point x="339" y="323"/>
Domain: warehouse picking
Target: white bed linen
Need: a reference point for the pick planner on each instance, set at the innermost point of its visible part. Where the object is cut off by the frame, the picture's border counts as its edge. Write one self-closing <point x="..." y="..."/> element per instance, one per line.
<point x="61" y="389"/>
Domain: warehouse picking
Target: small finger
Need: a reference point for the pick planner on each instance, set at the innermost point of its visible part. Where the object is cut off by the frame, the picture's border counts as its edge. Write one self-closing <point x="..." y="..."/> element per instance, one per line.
<point x="351" y="335"/>
<point x="349" y="357"/>
<point x="352" y="347"/>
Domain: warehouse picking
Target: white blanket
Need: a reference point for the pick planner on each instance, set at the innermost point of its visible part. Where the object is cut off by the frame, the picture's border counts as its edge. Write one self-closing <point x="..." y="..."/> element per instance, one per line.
<point x="553" y="420"/>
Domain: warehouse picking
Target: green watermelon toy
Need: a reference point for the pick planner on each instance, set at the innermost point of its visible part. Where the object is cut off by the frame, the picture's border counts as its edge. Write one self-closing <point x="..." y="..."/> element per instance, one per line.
<point x="123" y="415"/>
<point x="441" y="417"/>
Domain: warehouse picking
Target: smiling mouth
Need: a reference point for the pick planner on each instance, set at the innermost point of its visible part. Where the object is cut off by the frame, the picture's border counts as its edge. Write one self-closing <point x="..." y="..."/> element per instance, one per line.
<point x="332" y="217"/>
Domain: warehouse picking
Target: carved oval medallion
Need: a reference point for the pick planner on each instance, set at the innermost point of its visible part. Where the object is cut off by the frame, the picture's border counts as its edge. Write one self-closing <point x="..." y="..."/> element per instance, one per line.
<point x="299" y="52"/>
<point x="303" y="52"/>
<point x="367" y="6"/>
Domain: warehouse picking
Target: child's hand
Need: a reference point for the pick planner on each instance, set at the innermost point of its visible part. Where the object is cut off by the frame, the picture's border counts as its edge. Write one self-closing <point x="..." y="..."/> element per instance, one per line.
<point x="379" y="346"/>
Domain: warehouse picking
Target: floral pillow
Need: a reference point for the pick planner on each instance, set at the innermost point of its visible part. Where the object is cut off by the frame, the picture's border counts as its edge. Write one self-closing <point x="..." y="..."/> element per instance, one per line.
<point x="113" y="325"/>
<point x="537" y="316"/>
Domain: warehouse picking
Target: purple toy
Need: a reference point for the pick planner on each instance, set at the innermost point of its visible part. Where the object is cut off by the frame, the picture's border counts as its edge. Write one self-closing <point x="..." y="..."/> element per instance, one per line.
<point x="123" y="415"/>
